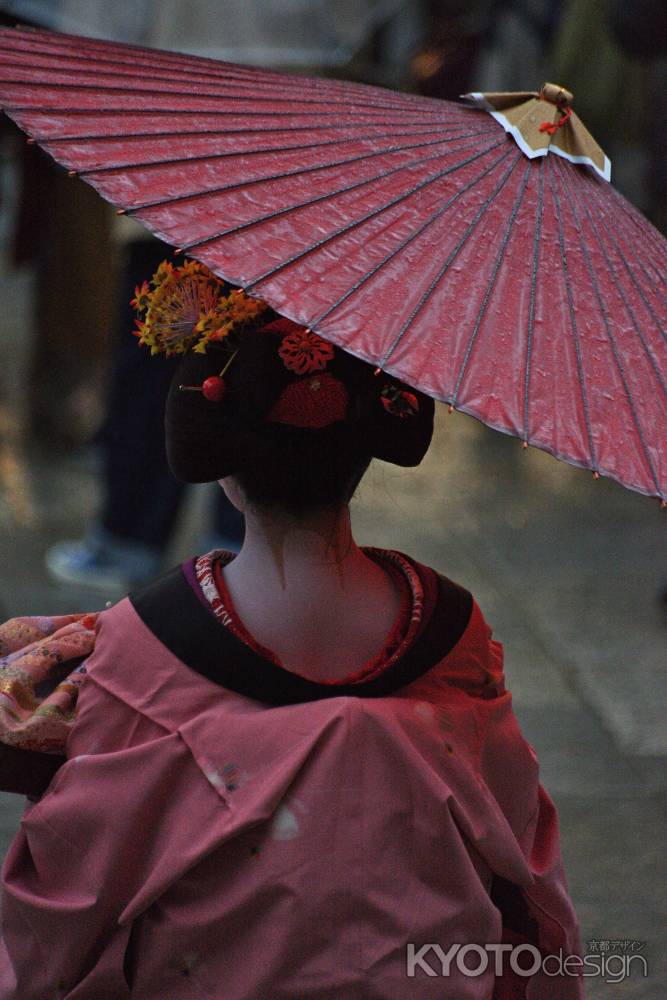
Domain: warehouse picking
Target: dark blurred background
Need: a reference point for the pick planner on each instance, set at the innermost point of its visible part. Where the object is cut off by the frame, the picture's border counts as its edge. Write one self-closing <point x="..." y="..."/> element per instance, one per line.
<point x="571" y="573"/>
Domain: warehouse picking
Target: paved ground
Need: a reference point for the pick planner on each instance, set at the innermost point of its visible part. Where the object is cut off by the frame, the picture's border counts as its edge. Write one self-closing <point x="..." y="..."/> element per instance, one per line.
<point x="565" y="569"/>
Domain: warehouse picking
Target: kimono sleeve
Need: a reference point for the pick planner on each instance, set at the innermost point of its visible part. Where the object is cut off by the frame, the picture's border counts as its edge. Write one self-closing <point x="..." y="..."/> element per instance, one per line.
<point x="534" y="900"/>
<point x="113" y="831"/>
<point x="475" y="665"/>
<point x="41" y="671"/>
<point x="540" y="915"/>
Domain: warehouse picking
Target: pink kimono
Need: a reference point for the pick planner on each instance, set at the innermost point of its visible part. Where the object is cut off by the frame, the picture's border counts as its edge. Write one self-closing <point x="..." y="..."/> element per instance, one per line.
<point x="224" y="828"/>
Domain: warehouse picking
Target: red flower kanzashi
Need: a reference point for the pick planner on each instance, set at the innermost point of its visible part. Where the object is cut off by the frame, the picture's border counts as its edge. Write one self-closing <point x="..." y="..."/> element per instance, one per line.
<point x="303" y="351"/>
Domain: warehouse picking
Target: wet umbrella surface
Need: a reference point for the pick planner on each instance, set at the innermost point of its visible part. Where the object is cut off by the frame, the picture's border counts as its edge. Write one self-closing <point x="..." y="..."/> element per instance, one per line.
<point x="413" y="232"/>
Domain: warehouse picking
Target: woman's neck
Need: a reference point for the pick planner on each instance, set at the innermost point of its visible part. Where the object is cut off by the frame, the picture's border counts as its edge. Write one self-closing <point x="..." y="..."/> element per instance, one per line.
<point x="281" y="553"/>
<point x="305" y="590"/>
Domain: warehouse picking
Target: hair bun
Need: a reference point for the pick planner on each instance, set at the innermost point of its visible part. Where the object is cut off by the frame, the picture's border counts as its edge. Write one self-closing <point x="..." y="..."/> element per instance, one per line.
<point x="267" y="399"/>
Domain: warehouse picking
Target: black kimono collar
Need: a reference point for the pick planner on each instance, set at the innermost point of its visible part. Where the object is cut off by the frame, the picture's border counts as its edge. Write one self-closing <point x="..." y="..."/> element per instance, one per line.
<point x="170" y="608"/>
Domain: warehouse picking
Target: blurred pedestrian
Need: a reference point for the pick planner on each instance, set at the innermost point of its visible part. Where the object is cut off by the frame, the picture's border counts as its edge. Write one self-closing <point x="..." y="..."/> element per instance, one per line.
<point x="141" y="499"/>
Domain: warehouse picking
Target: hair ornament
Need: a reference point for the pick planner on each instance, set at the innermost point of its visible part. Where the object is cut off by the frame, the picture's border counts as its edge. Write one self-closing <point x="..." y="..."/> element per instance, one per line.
<point x="315" y="401"/>
<point x="302" y="351"/>
<point x="187" y="307"/>
<point x="213" y="388"/>
<point x="399" y="402"/>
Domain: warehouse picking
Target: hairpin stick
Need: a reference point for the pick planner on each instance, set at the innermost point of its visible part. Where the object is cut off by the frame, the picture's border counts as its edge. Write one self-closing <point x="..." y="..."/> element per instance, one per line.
<point x="229" y="361"/>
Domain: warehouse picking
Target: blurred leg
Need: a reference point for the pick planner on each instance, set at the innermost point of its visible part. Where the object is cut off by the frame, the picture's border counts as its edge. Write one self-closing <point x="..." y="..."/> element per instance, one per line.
<point x="140" y="497"/>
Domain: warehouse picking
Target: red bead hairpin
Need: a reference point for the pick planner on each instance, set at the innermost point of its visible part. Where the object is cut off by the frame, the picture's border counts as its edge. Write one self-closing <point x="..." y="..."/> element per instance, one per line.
<point x="213" y="388"/>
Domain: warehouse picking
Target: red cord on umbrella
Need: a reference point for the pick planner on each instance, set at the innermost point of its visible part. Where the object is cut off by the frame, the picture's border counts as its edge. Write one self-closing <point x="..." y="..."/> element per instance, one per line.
<point x="552" y="127"/>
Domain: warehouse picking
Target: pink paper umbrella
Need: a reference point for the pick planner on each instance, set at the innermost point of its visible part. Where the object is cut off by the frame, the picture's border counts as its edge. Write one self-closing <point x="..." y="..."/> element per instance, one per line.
<point x="436" y="240"/>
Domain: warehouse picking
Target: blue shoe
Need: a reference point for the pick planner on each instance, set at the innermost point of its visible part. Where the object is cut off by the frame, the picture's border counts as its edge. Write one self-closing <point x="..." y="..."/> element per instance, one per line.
<point x="102" y="562"/>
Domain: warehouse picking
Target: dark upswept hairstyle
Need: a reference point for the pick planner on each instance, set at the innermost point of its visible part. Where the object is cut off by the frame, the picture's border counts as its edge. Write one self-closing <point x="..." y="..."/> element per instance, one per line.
<point x="277" y="464"/>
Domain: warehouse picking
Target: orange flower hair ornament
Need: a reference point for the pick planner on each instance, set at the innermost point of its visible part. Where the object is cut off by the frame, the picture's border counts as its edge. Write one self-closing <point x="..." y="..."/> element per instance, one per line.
<point x="185" y="307"/>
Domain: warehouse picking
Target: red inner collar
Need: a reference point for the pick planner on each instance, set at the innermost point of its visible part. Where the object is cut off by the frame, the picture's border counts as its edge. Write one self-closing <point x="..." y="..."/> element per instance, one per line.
<point x="402" y="632"/>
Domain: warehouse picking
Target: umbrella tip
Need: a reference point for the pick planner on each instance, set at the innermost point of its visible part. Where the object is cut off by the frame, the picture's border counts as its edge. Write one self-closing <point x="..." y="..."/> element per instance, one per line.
<point x="71" y="173"/>
<point x="377" y="371"/>
<point x="120" y="211"/>
<point x="596" y="475"/>
<point x="31" y="141"/>
<point x="524" y="444"/>
<point x="663" y="503"/>
<point x="178" y="249"/>
<point x="450" y="408"/>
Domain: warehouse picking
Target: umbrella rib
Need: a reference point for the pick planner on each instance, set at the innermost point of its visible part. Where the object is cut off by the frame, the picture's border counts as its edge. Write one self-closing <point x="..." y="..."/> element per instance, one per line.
<point x="200" y="95"/>
<point x="99" y="63"/>
<point x="219" y="69"/>
<point x="640" y="262"/>
<point x="159" y="59"/>
<point x="170" y="112"/>
<point x="452" y="256"/>
<point x="132" y="71"/>
<point x="654" y="275"/>
<point x="632" y="276"/>
<point x="490" y="285"/>
<point x="648" y="258"/>
<point x="619" y="288"/>
<point x="271" y="149"/>
<point x="370" y="215"/>
<point x="329" y="194"/>
<point x="638" y="222"/>
<point x="294" y="173"/>
<point x="248" y="84"/>
<point x="112" y="137"/>
<point x="533" y="296"/>
<point x="573" y="326"/>
<point x="610" y="336"/>
<point x="63" y="42"/>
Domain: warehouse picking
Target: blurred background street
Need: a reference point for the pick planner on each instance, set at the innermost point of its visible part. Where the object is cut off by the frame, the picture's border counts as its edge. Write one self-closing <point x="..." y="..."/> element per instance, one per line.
<point x="570" y="572"/>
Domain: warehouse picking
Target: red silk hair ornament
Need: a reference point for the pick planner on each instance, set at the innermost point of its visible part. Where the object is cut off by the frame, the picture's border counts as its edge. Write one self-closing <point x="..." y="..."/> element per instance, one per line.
<point x="313" y="402"/>
<point x="302" y="351"/>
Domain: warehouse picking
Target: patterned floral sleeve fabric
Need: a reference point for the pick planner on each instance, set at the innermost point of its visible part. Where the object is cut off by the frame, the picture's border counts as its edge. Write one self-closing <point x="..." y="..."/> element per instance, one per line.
<point x="41" y="670"/>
